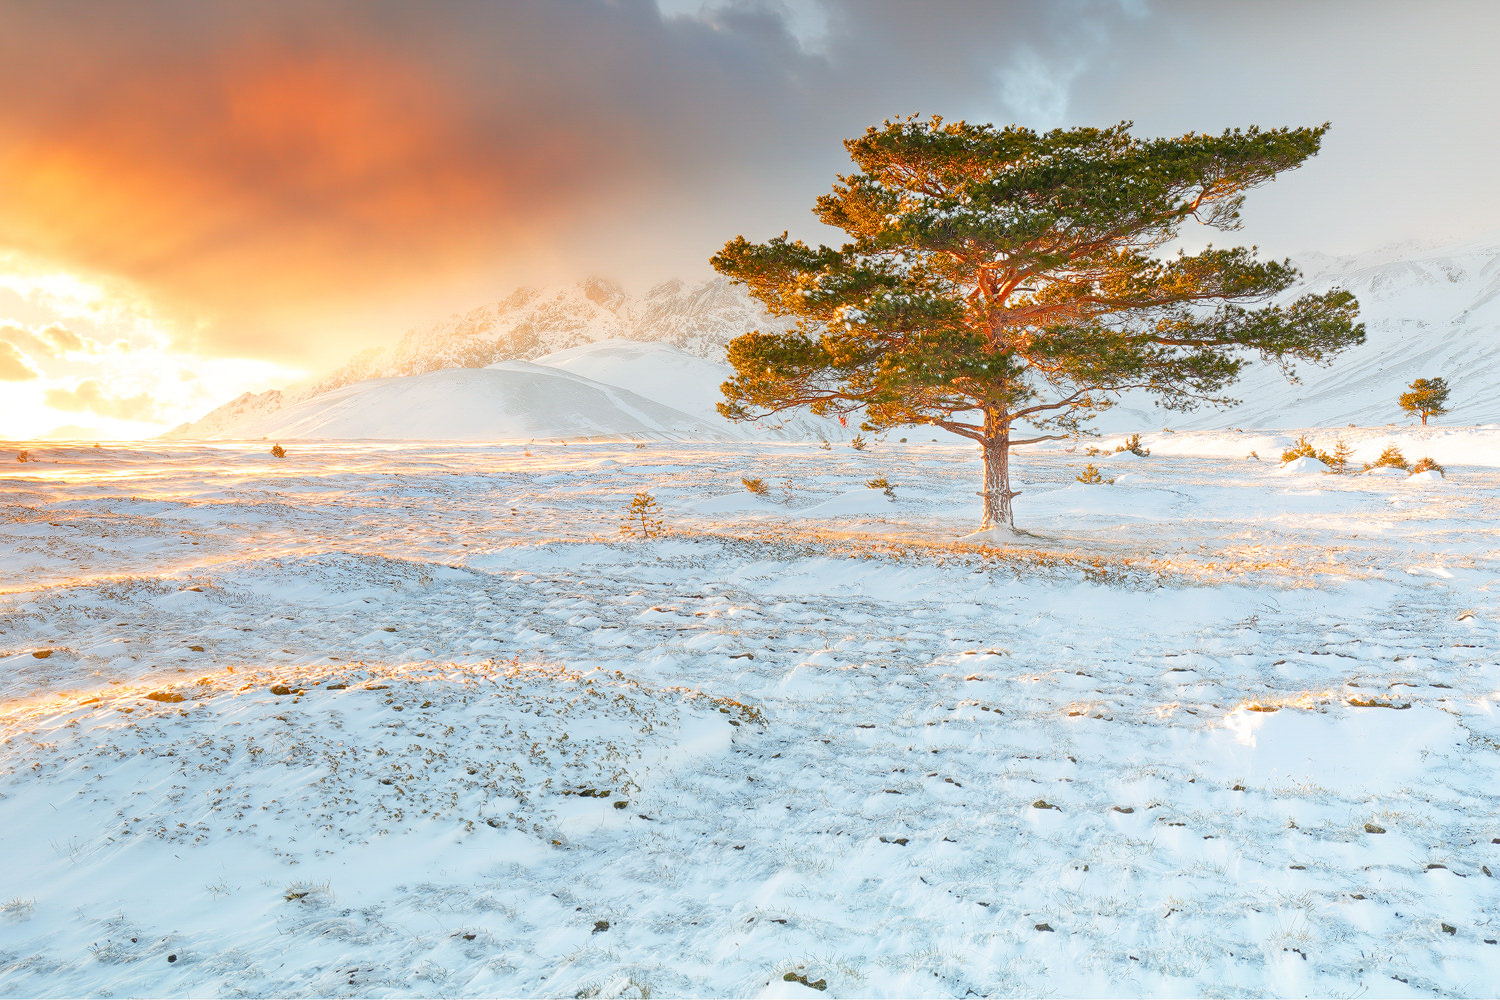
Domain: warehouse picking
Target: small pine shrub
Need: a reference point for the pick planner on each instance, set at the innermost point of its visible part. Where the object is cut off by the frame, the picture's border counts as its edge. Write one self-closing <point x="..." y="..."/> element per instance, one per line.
<point x="1338" y="459"/>
<point x="824" y="445"/>
<point x="277" y="451"/>
<point x="1091" y="476"/>
<point x="1428" y="465"/>
<point x="1254" y="456"/>
<point x="756" y="486"/>
<point x="1302" y="449"/>
<point x="25" y="456"/>
<point x="1091" y="451"/>
<point x="1133" y="445"/>
<point x="642" y="517"/>
<point x="881" y="483"/>
<point x="858" y="443"/>
<point x="1391" y="458"/>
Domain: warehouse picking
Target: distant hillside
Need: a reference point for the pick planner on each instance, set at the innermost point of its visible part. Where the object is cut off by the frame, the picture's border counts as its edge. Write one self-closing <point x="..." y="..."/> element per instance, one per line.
<point x="1427" y="313"/>
<point x="526" y="325"/>
<point x="618" y="389"/>
<point x="508" y="401"/>
<point x="1433" y="312"/>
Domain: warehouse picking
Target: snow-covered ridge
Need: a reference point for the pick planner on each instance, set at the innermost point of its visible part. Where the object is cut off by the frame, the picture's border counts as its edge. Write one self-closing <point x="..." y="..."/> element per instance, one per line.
<point x="527" y="325"/>
<point x="617" y="389"/>
<point x="1427" y="312"/>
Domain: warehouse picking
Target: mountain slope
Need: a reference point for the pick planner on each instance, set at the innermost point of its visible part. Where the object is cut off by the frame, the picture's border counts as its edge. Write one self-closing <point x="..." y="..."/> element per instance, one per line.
<point x="508" y="401"/>
<point x="1427" y="313"/>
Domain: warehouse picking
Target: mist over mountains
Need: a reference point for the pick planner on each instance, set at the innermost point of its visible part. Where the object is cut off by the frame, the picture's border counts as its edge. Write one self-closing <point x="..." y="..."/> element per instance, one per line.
<point x="1427" y="312"/>
<point x="529" y="324"/>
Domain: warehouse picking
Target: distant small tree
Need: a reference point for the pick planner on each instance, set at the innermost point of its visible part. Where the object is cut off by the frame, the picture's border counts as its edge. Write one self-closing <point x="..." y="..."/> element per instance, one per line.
<point x="1426" y="397"/>
<point x="277" y="451"/>
<point x="642" y="516"/>
<point x="1338" y="459"/>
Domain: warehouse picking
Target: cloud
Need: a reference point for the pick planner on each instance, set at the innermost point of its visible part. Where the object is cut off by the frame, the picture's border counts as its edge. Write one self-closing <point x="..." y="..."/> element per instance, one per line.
<point x="14" y="366"/>
<point x="295" y="181"/>
<point x="89" y="395"/>
<point x="51" y="340"/>
<point x="286" y="168"/>
<point x="63" y="339"/>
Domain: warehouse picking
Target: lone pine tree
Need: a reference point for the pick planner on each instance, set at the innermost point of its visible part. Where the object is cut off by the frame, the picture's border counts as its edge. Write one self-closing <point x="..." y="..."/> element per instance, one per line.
<point x="1004" y="284"/>
<point x="1426" y="397"/>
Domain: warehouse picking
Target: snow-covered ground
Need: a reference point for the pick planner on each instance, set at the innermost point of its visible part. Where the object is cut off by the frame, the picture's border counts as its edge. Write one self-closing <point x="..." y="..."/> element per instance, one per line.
<point x="419" y="719"/>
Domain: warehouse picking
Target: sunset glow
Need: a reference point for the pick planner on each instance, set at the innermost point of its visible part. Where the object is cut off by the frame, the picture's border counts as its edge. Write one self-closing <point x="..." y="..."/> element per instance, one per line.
<point x="749" y="498"/>
<point x="282" y="186"/>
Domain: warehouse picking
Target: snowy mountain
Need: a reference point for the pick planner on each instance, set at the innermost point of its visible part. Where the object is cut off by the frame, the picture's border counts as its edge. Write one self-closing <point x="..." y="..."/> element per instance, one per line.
<point x="1427" y="313"/>
<point x="225" y="421"/>
<point x="1433" y="312"/>
<point x="527" y="325"/>
<point x="506" y="401"/>
<point x="617" y="389"/>
<point x="530" y="323"/>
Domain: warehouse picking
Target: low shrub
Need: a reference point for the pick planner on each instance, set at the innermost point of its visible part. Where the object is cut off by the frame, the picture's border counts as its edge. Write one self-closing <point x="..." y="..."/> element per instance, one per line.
<point x="1133" y="445"/>
<point x="642" y="517"/>
<point x="277" y="451"/>
<point x="881" y="483"/>
<point x="1427" y="465"/>
<point x="756" y="486"/>
<point x="1091" y="476"/>
<point x="858" y="443"/>
<point x="1391" y="458"/>
<point x="1302" y="449"/>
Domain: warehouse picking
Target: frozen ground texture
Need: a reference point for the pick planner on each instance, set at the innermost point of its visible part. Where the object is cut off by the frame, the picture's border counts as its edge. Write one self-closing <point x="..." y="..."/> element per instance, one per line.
<point x="443" y="730"/>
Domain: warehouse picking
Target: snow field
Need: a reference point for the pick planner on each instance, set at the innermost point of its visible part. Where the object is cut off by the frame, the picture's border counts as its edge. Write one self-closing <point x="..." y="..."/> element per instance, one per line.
<point x="1141" y="752"/>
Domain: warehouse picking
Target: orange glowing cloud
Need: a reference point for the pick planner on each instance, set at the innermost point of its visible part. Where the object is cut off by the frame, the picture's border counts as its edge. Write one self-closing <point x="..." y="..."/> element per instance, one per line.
<point x="252" y="176"/>
<point x="14" y="366"/>
<point x="296" y="181"/>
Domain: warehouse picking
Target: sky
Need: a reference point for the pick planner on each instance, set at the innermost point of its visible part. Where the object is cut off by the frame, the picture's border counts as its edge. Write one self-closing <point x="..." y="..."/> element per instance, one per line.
<point x="199" y="198"/>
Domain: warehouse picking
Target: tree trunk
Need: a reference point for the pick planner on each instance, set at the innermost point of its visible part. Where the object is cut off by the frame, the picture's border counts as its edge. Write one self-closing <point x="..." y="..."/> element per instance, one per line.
<point x="997" y="493"/>
<point x="1424" y="418"/>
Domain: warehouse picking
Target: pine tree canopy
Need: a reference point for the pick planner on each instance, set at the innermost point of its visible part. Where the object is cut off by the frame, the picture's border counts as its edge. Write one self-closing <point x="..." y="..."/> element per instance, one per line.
<point x="999" y="276"/>
<point x="1426" y="397"/>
